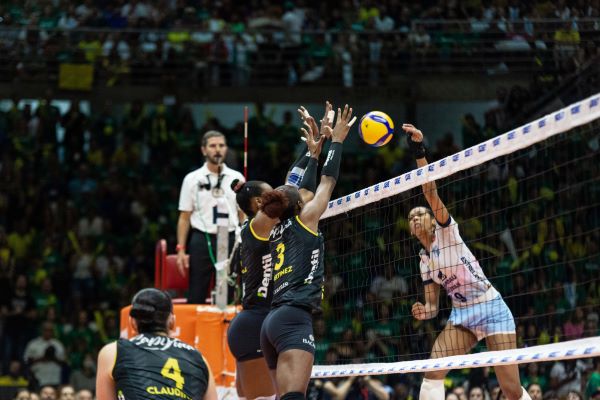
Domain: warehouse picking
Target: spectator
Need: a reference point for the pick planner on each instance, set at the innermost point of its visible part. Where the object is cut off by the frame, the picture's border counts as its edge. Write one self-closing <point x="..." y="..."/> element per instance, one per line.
<point x="533" y="376"/>
<point x="47" y="393"/>
<point x="592" y="386"/>
<point x="22" y="394"/>
<point x="36" y="348"/>
<point x="84" y="394"/>
<point x="476" y="393"/>
<point x="15" y="377"/>
<point x="566" y="376"/>
<point x="85" y="378"/>
<point x="535" y="391"/>
<point x="47" y="370"/>
<point x="66" y="392"/>
<point x="19" y="312"/>
<point x="206" y="198"/>
<point x="389" y="285"/>
<point x="574" y="327"/>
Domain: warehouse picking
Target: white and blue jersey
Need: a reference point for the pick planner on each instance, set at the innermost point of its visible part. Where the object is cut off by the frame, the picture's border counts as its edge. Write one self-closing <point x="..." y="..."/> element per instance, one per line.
<point x="477" y="305"/>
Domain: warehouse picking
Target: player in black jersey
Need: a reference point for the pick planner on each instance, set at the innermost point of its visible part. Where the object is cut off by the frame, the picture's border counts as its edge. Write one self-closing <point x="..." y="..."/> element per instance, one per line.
<point x="152" y="365"/>
<point x="297" y="248"/>
<point x="253" y="380"/>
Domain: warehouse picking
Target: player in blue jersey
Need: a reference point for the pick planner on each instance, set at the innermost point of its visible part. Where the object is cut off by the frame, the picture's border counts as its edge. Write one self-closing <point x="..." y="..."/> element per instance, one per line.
<point x="478" y="310"/>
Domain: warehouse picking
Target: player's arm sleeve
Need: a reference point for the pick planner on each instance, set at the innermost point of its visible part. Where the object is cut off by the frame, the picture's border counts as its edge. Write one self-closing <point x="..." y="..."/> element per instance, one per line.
<point x="448" y="232"/>
<point x="186" y="200"/>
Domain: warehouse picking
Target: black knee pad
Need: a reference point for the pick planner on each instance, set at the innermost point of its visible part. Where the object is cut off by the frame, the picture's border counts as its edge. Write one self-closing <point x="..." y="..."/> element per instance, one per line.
<point x="293" y="396"/>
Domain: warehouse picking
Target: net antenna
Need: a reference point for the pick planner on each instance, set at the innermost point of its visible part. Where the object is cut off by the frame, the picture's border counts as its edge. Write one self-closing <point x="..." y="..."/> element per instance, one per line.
<point x="246" y="143"/>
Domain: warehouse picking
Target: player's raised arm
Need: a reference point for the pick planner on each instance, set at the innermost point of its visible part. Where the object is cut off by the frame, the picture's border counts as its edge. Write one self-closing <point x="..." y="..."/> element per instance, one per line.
<point x="415" y="143"/>
<point x="308" y="179"/>
<point x="311" y="213"/>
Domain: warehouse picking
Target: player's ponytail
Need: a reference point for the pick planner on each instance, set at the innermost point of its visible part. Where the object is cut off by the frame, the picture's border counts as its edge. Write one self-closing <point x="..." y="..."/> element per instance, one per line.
<point x="151" y="309"/>
<point x="281" y="203"/>
<point x="245" y="191"/>
<point x="274" y="203"/>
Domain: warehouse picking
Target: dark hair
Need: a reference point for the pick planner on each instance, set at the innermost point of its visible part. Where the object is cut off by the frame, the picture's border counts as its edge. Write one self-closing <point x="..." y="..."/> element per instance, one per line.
<point x="245" y="191"/>
<point x="281" y="203"/>
<point x="210" y="134"/>
<point x="151" y="309"/>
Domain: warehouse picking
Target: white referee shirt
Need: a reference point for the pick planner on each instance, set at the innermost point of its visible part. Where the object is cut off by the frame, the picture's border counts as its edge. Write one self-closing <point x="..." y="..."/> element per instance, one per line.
<point x="197" y="197"/>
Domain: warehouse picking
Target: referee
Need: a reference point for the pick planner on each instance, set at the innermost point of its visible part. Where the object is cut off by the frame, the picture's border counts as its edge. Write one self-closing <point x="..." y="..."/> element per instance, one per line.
<point x="206" y="196"/>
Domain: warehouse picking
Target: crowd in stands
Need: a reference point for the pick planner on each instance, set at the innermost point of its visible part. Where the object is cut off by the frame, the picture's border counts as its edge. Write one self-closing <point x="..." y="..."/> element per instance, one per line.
<point x="350" y="43"/>
<point x="79" y="218"/>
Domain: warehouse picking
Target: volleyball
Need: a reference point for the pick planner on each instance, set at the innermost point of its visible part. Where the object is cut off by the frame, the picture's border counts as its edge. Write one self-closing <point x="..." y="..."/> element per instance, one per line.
<point x="376" y="128"/>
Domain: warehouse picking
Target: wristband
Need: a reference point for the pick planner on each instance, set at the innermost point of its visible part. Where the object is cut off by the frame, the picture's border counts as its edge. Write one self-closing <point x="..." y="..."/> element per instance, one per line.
<point x="417" y="148"/>
<point x="179" y="247"/>
<point x="297" y="169"/>
<point x="309" y="180"/>
<point x="333" y="160"/>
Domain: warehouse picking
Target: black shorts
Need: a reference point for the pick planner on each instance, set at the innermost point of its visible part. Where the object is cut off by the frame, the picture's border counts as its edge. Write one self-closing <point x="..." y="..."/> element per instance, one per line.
<point x="286" y="328"/>
<point x="243" y="334"/>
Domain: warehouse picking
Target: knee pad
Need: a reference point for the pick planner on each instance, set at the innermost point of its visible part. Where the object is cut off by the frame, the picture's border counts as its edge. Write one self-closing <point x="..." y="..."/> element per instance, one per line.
<point x="525" y="395"/>
<point x="293" y="396"/>
<point x="432" y="389"/>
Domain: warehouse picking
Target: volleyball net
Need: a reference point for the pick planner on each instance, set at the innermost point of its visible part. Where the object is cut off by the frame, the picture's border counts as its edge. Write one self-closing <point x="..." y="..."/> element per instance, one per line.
<point x="527" y="205"/>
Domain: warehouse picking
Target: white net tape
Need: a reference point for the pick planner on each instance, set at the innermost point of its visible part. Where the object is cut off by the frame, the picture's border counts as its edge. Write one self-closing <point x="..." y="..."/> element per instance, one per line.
<point x="581" y="348"/>
<point x="574" y="115"/>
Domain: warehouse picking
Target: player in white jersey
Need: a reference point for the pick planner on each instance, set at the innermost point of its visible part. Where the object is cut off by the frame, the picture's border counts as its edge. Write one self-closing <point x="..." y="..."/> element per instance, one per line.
<point x="478" y="310"/>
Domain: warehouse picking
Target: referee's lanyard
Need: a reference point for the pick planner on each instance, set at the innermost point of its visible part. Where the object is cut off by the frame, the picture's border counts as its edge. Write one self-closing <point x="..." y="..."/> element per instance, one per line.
<point x="219" y="195"/>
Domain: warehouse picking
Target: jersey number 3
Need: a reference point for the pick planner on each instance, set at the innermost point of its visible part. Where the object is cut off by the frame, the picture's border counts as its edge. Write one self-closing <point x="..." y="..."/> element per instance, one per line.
<point x="280" y="256"/>
<point x="172" y="371"/>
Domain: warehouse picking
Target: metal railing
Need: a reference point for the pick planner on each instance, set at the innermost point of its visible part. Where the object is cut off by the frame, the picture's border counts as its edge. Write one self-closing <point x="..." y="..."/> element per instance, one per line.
<point x="283" y="58"/>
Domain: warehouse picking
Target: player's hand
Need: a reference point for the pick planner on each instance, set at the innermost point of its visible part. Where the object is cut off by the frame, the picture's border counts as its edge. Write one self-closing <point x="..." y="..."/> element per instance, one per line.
<point x="423" y="311"/>
<point x="314" y="145"/>
<point x="183" y="262"/>
<point x="342" y="125"/>
<point x="415" y="134"/>
<point x="327" y="120"/>
<point x="308" y="120"/>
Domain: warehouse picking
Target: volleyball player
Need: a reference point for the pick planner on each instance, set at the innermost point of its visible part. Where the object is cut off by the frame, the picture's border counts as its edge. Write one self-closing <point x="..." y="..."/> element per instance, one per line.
<point x="253" y="380"/>
<point x="478" y="310"/>
<point x="151" y="364"/>
<point x="287" y="339"/>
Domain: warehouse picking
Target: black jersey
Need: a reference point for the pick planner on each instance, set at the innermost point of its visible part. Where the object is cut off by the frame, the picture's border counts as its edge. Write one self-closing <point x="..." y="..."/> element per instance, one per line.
<point x="298" y="269"/>
<point x="256" y="268"/>
<point x="159" y="367"/>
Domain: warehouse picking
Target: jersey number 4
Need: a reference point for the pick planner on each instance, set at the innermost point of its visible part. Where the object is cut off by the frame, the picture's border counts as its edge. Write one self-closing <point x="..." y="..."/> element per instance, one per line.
<point x="172" y="371"/>
<point x="280" y="249"/>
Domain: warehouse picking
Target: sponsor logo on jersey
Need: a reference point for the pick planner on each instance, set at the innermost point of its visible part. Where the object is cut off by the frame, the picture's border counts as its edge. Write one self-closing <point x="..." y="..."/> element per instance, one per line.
<point x="471" y="269"/>
<point x="314" y="264"/>
<point x="284" y="285"/>
<point x="160" y="343"/>
<point x="263" y="290"/>
<point x="277" y="232"/>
